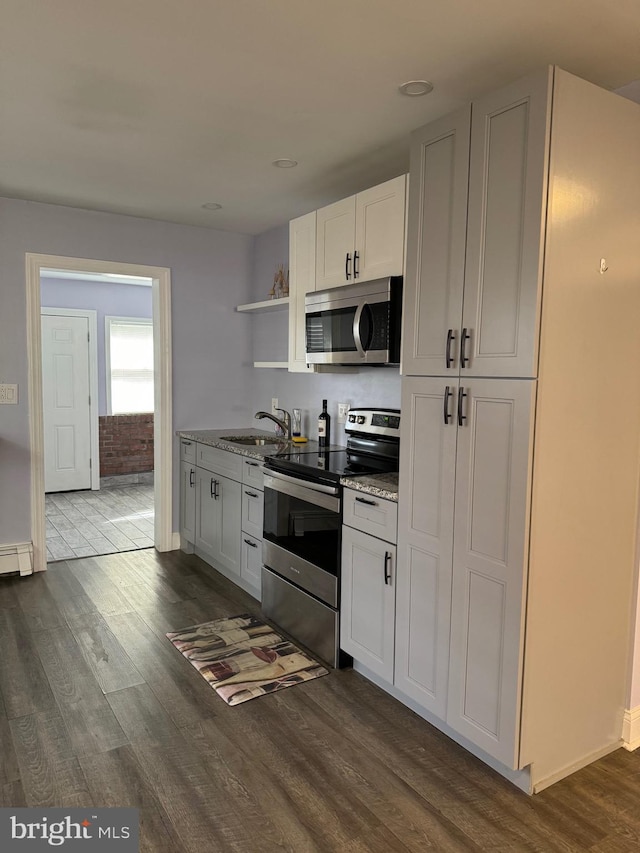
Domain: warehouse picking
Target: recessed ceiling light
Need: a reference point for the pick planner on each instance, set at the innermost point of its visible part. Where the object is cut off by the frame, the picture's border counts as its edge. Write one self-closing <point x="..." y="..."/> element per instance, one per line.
<point x="212" y="205"/>
<point x="414" y="88"/>
<point x="285" y="163"/>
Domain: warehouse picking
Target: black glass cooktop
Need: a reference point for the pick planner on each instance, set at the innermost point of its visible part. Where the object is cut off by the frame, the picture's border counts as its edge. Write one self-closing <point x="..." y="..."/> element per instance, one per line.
<point x="329" y="465"/>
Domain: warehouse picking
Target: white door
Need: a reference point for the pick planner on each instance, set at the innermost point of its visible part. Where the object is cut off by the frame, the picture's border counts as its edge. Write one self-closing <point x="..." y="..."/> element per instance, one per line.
<point x="490" y="545"/>
<point x="425" y="540"/>
<point x="379" y="240"/>
<point x="335" y="237"/>
<point x="367" y="611"/>
<point x="66" y="407"/>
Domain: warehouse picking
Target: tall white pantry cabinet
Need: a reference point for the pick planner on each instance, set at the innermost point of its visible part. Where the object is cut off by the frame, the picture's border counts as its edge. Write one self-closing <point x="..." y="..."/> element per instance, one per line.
<point x="519" y="467"/>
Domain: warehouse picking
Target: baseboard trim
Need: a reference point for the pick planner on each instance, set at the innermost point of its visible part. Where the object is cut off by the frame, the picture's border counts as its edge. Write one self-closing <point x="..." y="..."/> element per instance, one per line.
<point x="16" y="558"/>
<point x="175" y="541"/>
<point x="631" y="729"/>
<point x="546" y="781"/>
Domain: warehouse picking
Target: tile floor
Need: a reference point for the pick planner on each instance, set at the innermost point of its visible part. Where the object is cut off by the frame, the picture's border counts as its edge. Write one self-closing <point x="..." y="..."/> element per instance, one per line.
<point x="106" y="521"/>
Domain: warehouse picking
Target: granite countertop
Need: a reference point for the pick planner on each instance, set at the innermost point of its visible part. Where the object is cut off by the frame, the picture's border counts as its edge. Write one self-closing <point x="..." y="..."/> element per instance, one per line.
<point x="214" y="438"/>
<point x="381" y="485"/>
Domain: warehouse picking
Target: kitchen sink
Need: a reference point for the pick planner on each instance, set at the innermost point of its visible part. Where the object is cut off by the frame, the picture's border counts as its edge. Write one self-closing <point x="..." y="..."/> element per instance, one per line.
<point x="259" y="440"/>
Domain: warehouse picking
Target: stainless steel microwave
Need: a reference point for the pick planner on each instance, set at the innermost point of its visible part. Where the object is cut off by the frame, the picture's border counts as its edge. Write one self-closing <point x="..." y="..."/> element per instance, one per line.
<point x="355" y="324"/>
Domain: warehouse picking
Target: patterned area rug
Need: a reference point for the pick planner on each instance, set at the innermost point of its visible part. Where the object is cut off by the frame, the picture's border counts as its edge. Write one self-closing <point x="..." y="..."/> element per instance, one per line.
<point x="242" y="657"/>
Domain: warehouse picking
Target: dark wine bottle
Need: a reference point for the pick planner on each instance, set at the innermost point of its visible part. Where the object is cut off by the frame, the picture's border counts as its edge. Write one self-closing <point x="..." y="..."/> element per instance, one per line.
<point x="324" y="427"/>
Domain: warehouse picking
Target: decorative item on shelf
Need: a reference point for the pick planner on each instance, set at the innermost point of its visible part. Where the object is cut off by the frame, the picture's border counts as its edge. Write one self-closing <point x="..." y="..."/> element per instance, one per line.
<point x="280" y="283"/>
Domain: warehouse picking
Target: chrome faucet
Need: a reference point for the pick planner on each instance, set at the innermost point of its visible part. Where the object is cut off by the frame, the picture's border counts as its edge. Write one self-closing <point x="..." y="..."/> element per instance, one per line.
<point x="284" y="424"/>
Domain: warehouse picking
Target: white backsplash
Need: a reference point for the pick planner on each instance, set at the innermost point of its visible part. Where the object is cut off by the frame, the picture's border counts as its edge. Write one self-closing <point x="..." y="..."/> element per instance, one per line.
<point x="369" y="386"/>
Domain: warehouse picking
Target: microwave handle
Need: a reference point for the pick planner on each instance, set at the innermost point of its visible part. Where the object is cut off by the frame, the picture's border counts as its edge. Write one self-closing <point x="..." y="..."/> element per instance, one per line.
<point x="357" y="338"/>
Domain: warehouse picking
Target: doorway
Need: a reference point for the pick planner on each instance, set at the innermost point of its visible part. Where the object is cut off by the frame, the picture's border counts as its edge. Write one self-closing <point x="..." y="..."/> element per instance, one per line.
<point x="158" y="530"/>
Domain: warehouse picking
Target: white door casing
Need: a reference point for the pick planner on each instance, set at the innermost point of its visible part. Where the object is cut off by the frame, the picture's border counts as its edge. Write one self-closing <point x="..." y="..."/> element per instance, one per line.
<point x="164" y="538"/>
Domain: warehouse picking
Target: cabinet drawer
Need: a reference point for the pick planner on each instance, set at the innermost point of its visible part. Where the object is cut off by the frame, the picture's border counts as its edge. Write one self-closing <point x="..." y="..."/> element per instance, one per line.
<point x="187" y="450"/>
<point x="219" y="461"/>
<point x="251" y="566"/>
<point x="370" y="514"/>
<point x="253" y="473"/>
<point x="252" y="511"/>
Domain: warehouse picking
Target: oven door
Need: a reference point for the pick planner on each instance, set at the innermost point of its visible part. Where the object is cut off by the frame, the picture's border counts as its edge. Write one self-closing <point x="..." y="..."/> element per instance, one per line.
<point x="301" y="537"/>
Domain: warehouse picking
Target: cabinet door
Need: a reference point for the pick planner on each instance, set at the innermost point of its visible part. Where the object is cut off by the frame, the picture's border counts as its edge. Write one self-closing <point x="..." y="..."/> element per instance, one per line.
<point x="425" y="541"/>
<point x="437" y="226"/>
<point x="367" y="609"/>
<point x="206" y="512"/>
<point x="492" y="497"/>
<point x="302" y="279"/>
<point x="335" y="233"/>
<point x="229" y="507"/>
<point x="188" y="501"/>
<point x="505" y="237"/>
<point x="379" y="236"/>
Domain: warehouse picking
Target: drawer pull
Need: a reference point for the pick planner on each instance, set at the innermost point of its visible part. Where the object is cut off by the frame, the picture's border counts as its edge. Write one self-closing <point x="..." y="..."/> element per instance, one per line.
<point x="387" y="570"/>
<point x="253" y="464"/>
<point x="186" y="443"/>
<point x="251" y="494"/>
<point x="192" y="474"/>
<point x="252" y="544"/>
<point x="365" y="501"/>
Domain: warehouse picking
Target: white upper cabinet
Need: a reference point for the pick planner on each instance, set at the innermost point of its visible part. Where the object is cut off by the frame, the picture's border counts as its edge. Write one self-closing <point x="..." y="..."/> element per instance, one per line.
<point x="361" y="238"/>
<point x="498" y="230"/>
<point x="436" y="233"/>
<point x="302" y="279"/>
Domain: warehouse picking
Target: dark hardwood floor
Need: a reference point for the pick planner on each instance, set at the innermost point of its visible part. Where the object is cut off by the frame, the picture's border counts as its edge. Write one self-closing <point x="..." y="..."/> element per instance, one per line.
<point x="98" y="708"/>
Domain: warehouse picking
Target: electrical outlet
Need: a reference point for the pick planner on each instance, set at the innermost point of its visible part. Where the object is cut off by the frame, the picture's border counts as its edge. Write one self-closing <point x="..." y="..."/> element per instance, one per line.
<point x="343" y="408"/>
<point x="274" y="406"/>
<point x="8" y="393"/>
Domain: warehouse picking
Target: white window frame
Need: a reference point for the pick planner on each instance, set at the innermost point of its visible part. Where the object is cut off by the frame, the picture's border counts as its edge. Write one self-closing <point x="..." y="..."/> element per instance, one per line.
<point x="141" y="321"/>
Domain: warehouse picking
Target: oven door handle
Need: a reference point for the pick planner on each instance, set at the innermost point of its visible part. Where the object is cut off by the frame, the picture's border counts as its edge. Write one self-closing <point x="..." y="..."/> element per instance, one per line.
<point x="327" y="497"/>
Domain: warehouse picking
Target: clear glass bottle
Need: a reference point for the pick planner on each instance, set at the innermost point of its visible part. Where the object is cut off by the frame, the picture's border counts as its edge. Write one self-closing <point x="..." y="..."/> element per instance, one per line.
<point x="296" y="423"/>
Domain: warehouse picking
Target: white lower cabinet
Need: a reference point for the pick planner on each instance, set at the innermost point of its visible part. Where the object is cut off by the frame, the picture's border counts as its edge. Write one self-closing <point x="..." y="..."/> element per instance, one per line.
<point x="368" y="582"/>
<point x="227" y="514"/>
<point x="251" y="567"/>
<point x="218" y="515"/>
<point x="188" y="502"/>
<point x="367" y="610"/>
<point x="462" y="571"/>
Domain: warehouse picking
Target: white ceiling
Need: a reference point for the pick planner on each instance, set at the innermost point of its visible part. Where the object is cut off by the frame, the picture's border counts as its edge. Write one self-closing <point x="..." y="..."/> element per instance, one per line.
<point x="154" y="107"/>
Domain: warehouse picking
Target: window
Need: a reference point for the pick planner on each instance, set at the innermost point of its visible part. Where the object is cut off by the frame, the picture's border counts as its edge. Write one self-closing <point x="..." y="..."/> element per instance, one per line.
<point x="129" y="365"/>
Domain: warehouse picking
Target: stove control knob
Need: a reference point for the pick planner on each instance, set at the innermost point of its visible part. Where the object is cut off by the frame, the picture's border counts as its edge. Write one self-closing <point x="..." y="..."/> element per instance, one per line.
<point x="352" y="419"/>
<point x="361" y="419"/>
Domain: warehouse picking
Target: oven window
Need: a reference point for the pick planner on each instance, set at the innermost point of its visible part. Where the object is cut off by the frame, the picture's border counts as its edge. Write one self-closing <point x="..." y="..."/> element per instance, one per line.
<point x="331" y="331"/>
<point x="303" y="528"/>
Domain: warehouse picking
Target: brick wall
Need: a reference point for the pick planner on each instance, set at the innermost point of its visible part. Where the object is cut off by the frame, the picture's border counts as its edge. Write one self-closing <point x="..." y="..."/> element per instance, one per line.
<point x="126" y="444"/>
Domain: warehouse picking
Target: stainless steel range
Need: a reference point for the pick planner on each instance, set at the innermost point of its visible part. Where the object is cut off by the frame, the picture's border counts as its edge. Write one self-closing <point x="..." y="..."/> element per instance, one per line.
<point x="302" y="527"/>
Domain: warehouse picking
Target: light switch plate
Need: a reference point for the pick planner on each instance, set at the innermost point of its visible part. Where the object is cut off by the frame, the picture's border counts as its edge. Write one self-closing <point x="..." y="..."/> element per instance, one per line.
<point x="8" y="393"/>
<point x="343" y="408"/>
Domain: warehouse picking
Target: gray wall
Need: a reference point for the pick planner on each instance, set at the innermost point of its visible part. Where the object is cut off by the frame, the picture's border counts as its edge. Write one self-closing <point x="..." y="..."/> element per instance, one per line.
<point x="211" y="273"/>
<point x="116" y="300"/>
